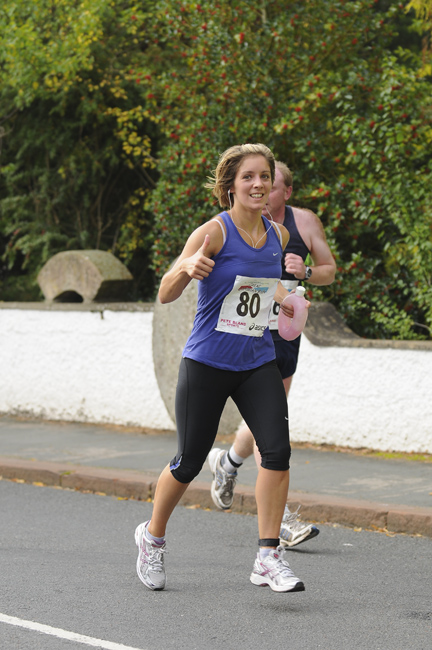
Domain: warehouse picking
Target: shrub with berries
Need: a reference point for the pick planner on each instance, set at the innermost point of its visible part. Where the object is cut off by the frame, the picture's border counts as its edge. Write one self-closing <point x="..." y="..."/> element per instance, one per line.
<point x="116" y="115"/>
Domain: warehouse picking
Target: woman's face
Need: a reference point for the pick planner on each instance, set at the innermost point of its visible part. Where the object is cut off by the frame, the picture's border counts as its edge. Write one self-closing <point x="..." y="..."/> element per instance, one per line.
<point x="252" y="183"/>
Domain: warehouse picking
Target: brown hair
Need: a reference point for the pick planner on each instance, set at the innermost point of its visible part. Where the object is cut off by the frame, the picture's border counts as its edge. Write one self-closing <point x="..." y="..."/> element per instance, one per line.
<point x="227" y="167"/>
<point x="286" y="173"/>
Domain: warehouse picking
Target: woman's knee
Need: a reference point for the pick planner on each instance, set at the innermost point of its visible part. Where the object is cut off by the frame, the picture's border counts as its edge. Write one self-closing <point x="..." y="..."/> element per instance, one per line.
<point x="185" y="472"/>
<point x="277" y="458"/>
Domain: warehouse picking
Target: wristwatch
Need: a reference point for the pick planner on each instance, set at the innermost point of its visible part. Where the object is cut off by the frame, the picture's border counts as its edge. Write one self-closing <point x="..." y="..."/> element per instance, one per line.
<point x="308" y="273"/>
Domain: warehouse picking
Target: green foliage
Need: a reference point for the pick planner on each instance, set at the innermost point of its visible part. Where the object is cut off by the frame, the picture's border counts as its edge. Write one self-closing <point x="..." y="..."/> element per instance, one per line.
<point x="115" y="113"/>
<point x="77" y="160"/>
<point x="423" y="8"/>
<point x="333" y="94"/>
<point x="423" y="25"/>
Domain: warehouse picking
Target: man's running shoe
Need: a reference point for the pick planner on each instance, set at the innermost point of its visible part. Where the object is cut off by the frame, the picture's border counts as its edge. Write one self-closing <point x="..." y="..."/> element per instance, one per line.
<point x="293" y="531"/>
<point x="150" y="562"/>
<point x="222" y="487"/>
<point x="275" y="572"/>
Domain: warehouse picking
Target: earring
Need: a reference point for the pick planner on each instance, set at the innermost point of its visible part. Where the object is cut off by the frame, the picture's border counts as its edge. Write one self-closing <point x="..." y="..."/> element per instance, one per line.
<point x="229" y="199"/>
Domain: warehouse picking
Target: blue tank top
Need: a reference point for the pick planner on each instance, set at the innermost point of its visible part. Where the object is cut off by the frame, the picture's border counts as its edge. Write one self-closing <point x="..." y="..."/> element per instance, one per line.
<point x="226" y="350"/>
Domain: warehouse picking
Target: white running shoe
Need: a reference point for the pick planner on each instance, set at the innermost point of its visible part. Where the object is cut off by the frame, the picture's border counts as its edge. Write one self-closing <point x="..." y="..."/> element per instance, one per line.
<point x="150" y="562"/>
<point x="275" y="572"/>
<point x="222" y="487"/>
<point x="293" y="531"/>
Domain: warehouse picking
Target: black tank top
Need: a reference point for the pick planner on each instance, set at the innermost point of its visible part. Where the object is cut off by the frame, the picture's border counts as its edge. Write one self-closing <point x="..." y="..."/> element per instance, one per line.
<point x="295" y="245"/>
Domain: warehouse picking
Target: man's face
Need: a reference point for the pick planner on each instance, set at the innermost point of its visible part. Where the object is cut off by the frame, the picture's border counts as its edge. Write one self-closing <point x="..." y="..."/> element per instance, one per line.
<point x="279" y="195"/>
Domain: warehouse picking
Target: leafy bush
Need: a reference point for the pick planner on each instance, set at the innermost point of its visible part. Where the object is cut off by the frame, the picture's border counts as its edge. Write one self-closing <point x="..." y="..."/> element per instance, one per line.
<point x="329" y="88"/>
<point x="78" y="146"/>
<point x="113" y="128"/>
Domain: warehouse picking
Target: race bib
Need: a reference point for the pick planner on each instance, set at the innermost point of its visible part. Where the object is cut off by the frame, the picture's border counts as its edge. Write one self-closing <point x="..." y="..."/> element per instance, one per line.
<point x="273" y="319"/>
<point x="246" y="308"/>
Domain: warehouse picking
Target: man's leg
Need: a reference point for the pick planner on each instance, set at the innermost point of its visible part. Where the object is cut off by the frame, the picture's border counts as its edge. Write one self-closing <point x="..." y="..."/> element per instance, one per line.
<point x="224" y="466"/>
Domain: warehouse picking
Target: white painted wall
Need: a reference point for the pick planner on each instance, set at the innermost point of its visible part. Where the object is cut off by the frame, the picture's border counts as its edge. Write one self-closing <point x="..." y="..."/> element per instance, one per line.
<point x="363" y="397"/>
<point x="80" y="365"/>
<point x="98" y="367"/>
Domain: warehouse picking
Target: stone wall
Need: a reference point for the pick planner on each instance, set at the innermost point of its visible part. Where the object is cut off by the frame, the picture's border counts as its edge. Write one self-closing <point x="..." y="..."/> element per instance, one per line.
<point x="96" y="363"/>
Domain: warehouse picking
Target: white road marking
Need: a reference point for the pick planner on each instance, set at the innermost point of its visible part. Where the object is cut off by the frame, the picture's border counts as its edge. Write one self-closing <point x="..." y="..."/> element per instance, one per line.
<point x="64" y="634"/>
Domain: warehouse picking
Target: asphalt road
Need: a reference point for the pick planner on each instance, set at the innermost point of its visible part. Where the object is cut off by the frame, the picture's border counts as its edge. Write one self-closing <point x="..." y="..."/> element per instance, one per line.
<point x="68" y="562"/>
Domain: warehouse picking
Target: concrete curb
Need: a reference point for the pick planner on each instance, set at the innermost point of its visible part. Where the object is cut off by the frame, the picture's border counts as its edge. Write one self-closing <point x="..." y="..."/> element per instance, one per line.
<point x="136" y="485"/>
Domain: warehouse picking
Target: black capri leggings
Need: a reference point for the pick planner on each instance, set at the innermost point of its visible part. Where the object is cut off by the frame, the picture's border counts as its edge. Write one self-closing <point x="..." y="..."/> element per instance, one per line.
<point x="202" y="392"/>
